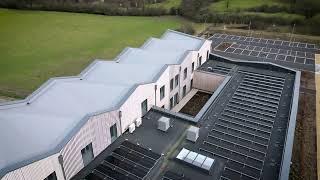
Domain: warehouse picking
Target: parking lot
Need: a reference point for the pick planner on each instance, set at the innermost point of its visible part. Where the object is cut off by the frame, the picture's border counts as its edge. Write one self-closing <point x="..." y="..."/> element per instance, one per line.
<point x="291" y="54"/>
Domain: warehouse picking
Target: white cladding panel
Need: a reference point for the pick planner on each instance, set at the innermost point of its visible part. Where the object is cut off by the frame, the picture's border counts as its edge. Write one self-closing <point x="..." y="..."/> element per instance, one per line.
<point x="37" y="170"/>
<point x="131" y="109"/>
<point x="95" y="131"/>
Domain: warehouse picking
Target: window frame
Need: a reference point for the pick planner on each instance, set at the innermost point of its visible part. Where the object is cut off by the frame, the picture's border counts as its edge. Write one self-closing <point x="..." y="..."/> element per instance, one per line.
<point x="162" y="92"/>
<point x="176" y="79"/>
<point x="171" y="84"/>
<point x="185" y="73"/>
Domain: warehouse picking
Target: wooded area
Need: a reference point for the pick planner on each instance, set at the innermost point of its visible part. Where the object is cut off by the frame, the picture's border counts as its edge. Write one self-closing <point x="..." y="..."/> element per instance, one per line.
<point x="304" y="13"/>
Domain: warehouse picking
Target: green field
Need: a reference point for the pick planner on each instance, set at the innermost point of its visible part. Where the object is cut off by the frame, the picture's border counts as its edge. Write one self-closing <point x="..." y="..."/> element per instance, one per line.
<point x="234" y="5"/>
<point x="35" y="45"/>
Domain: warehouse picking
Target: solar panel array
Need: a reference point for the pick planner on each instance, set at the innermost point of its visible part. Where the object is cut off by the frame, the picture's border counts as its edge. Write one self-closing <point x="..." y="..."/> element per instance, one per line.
<point x="169" y="175"/>
<point x="293" y="54"/>
<point x="240" y="134"/>
<point x="266" y="41"/>
<point x="127" y="162"/>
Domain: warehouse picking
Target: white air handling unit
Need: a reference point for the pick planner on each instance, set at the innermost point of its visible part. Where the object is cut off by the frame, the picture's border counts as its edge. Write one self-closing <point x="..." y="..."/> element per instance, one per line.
<point x="138" y="122"/>
<point x="164" y="124"/>
<point x="193" y="133"/>
<point x="132" y="127"/>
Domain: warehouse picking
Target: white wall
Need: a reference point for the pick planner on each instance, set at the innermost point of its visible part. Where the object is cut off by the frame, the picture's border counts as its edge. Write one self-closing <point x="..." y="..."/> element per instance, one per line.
<point x="207" y="81"/>
<point x="37" y="170"/>
<point x="131" y="109"/>
<point x="95" y="131"/>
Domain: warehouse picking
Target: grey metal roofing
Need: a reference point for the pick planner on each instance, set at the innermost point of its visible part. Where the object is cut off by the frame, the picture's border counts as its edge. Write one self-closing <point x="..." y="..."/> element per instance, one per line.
<point x="41" y="124"/>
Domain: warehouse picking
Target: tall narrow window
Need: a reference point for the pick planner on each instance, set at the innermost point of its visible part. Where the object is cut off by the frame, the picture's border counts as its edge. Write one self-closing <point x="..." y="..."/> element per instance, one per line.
<point x="184" y="90"/>
<point x="176" y="79"/>
<point x="52" y="176"/>
<point x="185" y="73"/>
<point x="191" y="84"/>
<point x="162" y="92"/>
<point x="207" y="54"/>
<point x="87" y="154"/>
<point x="144" y="107"/>
<point x="192" y="68"/>
<point x="176" y="98"/>
<point x="171" y="103"/>
<point x="171" y="84"/>
<point x="113" y="132"/>
<point x="200" y="60"/>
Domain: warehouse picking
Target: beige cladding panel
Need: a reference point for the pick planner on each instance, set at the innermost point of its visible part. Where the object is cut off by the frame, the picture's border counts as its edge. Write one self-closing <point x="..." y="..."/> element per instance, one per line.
<point x="207" y="81"/>
<point x="95" y="131"/>
<point x="38" y="170"/>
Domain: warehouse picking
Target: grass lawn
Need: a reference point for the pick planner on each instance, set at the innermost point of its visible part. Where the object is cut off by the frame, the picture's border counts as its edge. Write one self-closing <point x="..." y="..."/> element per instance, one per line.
<point x="167" y="4"/>
<point x="234" y="5"/>
<point x="36" y="45"/>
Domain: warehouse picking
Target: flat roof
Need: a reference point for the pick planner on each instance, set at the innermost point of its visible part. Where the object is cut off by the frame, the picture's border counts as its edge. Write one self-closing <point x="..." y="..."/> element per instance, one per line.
<point x="297" y="55"/>
<point x="246" y="128"/>
<point x="111" y="72"/>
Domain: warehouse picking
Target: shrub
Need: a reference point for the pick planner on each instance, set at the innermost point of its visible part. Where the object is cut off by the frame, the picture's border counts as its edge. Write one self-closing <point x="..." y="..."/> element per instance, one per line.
<point x="186" y="28"/>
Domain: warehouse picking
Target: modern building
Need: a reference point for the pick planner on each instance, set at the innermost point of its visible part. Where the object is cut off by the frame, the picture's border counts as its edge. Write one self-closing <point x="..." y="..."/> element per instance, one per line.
<point x="61" y="127"/>
<point x="245" y="131"/>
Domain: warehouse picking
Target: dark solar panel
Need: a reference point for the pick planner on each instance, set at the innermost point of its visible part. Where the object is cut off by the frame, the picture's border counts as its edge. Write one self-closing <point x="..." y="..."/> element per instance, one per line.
<point x="242" y="132"/>
<point x="127" y="162"/>
<point x="93" y="176"/>
<point x="141" y="150"/>
<point x="169" y="175"/>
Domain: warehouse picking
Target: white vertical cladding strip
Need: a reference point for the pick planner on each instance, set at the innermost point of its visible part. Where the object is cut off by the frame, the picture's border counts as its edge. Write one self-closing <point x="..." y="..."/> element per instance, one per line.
<point x="95" y="131"/>
<point x="187" y="63"/>
<point x="204" y="49"/>
<point x="174" y="70"/>
<point x="131" y="109"/>
<point x="37" y="170"/>
<point x="164" y="79"/>
<point x="207" y="81"/>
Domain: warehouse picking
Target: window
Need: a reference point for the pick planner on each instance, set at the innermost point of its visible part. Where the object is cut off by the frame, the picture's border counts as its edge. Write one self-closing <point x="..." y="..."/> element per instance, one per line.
<point x="113" y="132"/>
<point x="52" y="176"/>
<point x="144" y="107"/>
<point x="185" y="73"/>
<point x="176" y="79"/>
<point x="191" y="84"/>
<point x="184" y="90"/>
<point x="200" y="60"/>
<point x="176" y="98"/>
<point x="171" y="103"/>
<point x="207" y="54"/>
<point x="87" y="154"/>
<point x="171" y="84"/>
<point x="162" y="92"/>
<point x="192" y="68"/>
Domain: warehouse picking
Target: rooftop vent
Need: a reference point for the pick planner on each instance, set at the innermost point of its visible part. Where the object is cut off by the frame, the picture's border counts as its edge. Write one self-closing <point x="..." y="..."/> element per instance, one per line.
<point x="138" y="122"/>
<point x="193" y="133"/>
<point x="164" y="123"/>
<point x="195" y="159"/>
<point x="132" y="127"/>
